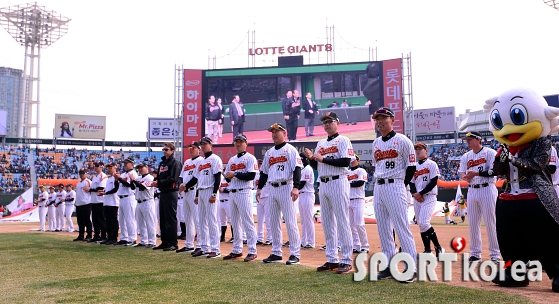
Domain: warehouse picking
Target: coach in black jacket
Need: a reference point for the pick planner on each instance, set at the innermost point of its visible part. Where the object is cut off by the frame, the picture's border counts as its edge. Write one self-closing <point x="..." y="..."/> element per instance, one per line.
<point x="311" y="110"/>
<point x="167" y="182"/>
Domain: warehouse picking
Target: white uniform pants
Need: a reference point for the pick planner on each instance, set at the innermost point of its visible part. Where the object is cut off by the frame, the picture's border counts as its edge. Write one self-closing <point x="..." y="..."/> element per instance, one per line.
<point x="60" y="217"/>
<point x="145" y="211"/>
<point x="42" y="215"/>
<point x="69" y="209"/>
<point x="208" y="236"/>
<point x="306" y="205"/>
<point x="52" y="217"/>
<point x="424" y="211"/>
<point x="127" y="219"/>
<point x="263" y="218"/>
<point x="334" y="208"/>
<point x="357" y="224"/>
<point x="280" y="202"/>
<point x="190" y="217"/>
<point x="482" y="202"/>
<point x="240" y="206"/>
<point x="224" y="212"/>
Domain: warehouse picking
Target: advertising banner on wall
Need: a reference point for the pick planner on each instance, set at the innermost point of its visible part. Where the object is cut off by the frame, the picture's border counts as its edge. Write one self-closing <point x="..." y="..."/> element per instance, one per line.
<point x="193" y="126"/>
<point x="392" y="80"/>
<point x="434" y="120"/>
<point x="162" y="128"/>
<point x="79" y="126"/>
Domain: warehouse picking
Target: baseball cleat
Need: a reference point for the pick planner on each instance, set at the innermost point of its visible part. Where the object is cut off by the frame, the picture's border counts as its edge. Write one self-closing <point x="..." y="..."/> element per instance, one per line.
<point x="259" y="243"/>
<point x="365" y="250"/>
<point x="473" y="259"/>
<point x="230" y="240"/>
<point x="384" y="275"/>
<point x="323" y="247"/>
<point x="233" y="256"/>
<point x="267" y="243"/>
<point x="196" y="251"/>
<point x="213" y="255"/>
<point x="184" y="249"/>
<point x="286" y="244"/>
<point x="410" y="280"/>
<point x="328" y="267"/>
<point x="200" y="253"/>
<point x="308" y="246"/>
<point x="250" y="257"/>
<point x="344" y="268"/>
<point x="439" y="250"/>
<point x="293" y="260"/>
<point x="170" y="248"/>
<point x="149" y="246"/>
<point x="356" y="251"/>
<point x="139" y="245"/>
<point x="130" y="243"/>
<point x="273" y="259"/>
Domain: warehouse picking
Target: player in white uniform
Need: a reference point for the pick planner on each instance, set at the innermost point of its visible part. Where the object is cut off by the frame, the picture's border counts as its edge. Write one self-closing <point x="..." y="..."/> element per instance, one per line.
<point x="52" y="210"/>
<point x="554" y="161"/>
<point x="110" y="205"/>
<point x="281" y="169"/>
<point x="127" y="204"/>
<point x="394" y="161"/>
<point x="69" y="206"/>
<point x="357" y="178"/>
<point x="188" y="182"/>
<point x="331" y="158"/>
<point x="306" y="204"/>
<point x="60" y="198"/>
<point x="145" y="210"/>
<point x="240" y="173"/>
<point x="262" y="212"/>
<point x="423" y="188"/>
<point x="41" y="202"/>
<point x="223" y="210"/>
<point x="476" y="167"/>
<point x="209" y="179"/>
<point x="83" y="207"/>
<point x="98" y="184"/>
<point x="181" y="228"/>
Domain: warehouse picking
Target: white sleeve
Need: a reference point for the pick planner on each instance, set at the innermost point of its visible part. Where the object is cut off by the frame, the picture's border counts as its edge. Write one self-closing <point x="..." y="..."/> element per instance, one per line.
<point x="553" y="159"/>
<point x="346" y="149"/>
<point x="433" y="170"/>
<point x="252" y="164"/>
<point x="463" y="162"/>
<point x="265" y="166"/>
<point x="363" y="175"/>
<point x="409" y="153"/>
<point x="103" y="182"/>
<point x="490" y="159"/>
<point x="295" y="159"/>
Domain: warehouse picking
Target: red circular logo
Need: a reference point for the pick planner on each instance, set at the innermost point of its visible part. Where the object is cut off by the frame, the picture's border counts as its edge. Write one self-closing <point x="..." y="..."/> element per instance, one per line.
<point x="458" y="243"/>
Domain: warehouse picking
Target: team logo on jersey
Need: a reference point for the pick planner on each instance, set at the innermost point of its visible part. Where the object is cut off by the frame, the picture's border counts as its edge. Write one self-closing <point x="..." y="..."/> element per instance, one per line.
<point x="421" y="172"/>
<point x="380" y="155"/>
<point x="329" y="150"/>
<point x="204" y="166"/>
<point x="235" y="167"/>
<point x="279" y="159"/>
<point x="396" y="143"/>
<point x="352" y="177"/>
<point x="189" y="167"/>
<point x="411" y="158"/>
<point x="224" y="185"/>
<point x="476" y="162"/>
<point x="553" y="159"/>
<point x="163" y="169"/>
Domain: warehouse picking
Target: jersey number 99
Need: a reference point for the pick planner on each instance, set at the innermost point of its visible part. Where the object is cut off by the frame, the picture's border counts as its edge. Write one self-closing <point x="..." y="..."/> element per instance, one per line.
<point x="390" y="165"/>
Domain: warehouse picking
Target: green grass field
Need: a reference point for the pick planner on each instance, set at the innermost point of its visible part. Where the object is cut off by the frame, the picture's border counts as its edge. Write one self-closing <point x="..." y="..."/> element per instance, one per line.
<point x="42" y="268"/>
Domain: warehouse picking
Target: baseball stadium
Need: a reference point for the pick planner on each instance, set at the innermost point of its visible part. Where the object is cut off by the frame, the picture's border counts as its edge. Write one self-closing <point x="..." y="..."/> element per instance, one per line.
<point x="281" y="177"/>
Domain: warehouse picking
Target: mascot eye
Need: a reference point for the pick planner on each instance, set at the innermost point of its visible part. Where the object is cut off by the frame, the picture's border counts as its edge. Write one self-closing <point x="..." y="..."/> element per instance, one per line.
<point x="496" y="120"/>
<point x="518" y="114"/>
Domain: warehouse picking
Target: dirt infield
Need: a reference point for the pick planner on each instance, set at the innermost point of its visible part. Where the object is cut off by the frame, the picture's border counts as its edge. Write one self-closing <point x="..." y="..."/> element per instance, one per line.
<point x="537" y="291"/>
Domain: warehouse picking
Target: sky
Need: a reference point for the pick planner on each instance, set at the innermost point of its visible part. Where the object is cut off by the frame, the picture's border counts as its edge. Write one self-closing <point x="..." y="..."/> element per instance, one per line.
<point x="118" y="58"/>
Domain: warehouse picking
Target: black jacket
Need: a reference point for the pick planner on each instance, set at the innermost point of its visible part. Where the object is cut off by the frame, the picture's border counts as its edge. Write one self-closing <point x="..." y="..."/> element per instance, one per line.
<point x="307" y="107"/>
<point x="168" y="174"/>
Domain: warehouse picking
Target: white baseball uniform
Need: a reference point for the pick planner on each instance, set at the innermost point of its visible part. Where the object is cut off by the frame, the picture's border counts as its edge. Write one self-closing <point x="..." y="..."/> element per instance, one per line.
<point x="69" y="209"/>
<point x="554" y="160"/>
<point x="279" y="163"/>
<point x="180" y="211"/>
<point x="240" y="201"/>
<point x="357" y="208"/>
<point x="482" y="199"/>
<point x="306" y="205"/>
<point x="208" y="236"/>
<point x="334" y="198"/>
<point x="224" y="209"/>
<point x="83" y="198"/>
<point x="391" y="158"/>
<point x="111" y="204"/>
<point x="424" y="172"/>
<point x="60" y="197"/>
<point x="262" y="213"/>
<point x="127" y="208"/>
<point x="52" y="212"/>
<point x="145" y="210"/>
<point x="42" y="202"/>
<point x="191" y="220"/>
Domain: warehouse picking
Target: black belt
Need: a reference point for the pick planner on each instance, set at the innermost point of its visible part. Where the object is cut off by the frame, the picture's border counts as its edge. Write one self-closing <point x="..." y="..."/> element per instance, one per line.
<point x="189" y="189"/>
<point x="123" y="196"/>
<point x="236" y="190"/>
<point x="331" y="178"/>
<point x="223" y="201"/>
<point x="275" y="185"/>
<point x="476" y="186"/>
<point x="382" y="181"/>
<point x="141" y="201"/>
<point x="351" y="199"/>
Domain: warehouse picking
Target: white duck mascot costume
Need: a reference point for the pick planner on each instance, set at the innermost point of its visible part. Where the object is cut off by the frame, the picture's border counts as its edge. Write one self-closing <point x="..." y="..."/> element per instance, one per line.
<point x="527" y="212"/>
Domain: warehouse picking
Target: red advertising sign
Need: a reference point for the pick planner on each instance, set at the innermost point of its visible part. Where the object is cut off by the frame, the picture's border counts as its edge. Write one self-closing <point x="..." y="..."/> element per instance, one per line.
<point x="392" y="75"/>
<point x="192" y="109"/>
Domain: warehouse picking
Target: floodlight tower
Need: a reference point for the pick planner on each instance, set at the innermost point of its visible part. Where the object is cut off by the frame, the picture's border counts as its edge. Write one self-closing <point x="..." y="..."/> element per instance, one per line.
<point x="34" y="27"/>
<point x="552" y="3"/>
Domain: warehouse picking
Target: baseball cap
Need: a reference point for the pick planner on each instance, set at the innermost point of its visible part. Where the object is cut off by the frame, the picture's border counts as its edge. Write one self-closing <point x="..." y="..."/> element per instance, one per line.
<point x="99" y="164"/>
<point x="41" y="186"/>
<point x="207" y="140"/>
<point x="240" y="137"/>
<point x="141" y="164"/>
<point x="110" y="165"/>
<point x="276" y="126"/>
<point x="330" y="115"/>
<point x="357" y="157"/>
<point x="69" y="185"/>
<point x="194" y="144"/>
<point x="475" y="135"/>
<point x="82" y="171"/>
<point x="383" y="111"/>
<point x="420" y="145"/>
<point x="129" y="160"/>
<point x="60" y="185"/>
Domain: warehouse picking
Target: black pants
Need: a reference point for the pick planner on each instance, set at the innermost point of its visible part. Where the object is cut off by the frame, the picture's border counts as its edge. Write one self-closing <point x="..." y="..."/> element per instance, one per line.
<point x="526" y="231"/>
<point x="111" y="217"/>
<point x="168" y="218"/>
<point x="83" y="214"/>
<point x="99" y="223"/>
<point x="292" y="124"/>
<point x="238" y="127"/>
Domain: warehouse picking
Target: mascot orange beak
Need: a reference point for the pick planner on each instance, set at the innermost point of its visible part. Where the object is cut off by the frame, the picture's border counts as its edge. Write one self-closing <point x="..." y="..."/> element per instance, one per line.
<point x="513" y="135"/>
